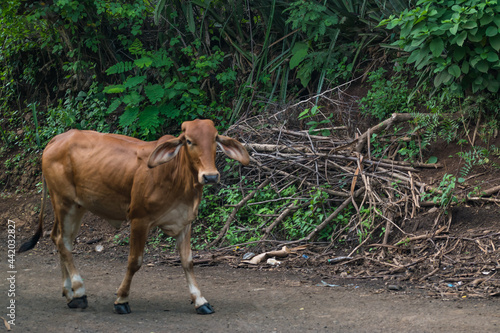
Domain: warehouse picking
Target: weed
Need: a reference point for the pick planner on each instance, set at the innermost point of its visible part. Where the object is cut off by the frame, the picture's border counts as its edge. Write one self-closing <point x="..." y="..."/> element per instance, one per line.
<point x="386" y="96"/>
<point x="161" y="240"/>
<point x="474" y="157"/>
<point x="444" y="194"/>
<point x="314" y="124"/>
<point x="120" y="239"/>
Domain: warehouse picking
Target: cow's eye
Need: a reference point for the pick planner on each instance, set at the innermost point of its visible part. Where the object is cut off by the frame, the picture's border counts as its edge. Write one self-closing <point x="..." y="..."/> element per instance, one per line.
<point x="189" y="142"/>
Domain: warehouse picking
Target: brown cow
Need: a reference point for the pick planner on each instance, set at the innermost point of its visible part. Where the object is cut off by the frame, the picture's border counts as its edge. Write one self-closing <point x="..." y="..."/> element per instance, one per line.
<point x="152" y="184"/>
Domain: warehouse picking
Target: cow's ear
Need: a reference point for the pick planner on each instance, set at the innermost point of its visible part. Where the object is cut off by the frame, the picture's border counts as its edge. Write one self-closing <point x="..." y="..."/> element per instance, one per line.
<point x="165" y="151"/>
<point x="233" y="149"/>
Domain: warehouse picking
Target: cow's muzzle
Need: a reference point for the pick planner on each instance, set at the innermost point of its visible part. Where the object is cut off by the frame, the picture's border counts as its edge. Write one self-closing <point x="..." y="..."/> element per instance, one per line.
<point x="210" y="179"/>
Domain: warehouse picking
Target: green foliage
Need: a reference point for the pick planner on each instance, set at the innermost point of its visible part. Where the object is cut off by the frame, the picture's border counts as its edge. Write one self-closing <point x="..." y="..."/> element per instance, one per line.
<point x="303" y="221"/>
<point x="201" y="59"/>
<point x="261" y="210"/>
<point x="121" y="239"/>
<point x="444" y="194"/>
<point x="314" y="124"/>
<point x="387" y="95"/>
<point x="85" y="111"/>
<point x="318" y="23"/>
<point x="312" y="18"/>
<point x="365" y="225"/>
<point x="458" y="39"/>
<point x="156" y="93"/>
<point x="476" y="156"/>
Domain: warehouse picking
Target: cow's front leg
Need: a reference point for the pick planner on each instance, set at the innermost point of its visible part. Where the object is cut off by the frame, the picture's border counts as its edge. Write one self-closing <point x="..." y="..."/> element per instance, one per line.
<point x="138" y="237"/>
<point x="184" y="247"/>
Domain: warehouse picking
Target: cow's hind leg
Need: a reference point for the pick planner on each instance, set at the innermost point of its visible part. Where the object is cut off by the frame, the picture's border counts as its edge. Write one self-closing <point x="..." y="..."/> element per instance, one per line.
<point x="184" y="247"/>
<point x="64" y="232"/>
<point x="138" y="237"/>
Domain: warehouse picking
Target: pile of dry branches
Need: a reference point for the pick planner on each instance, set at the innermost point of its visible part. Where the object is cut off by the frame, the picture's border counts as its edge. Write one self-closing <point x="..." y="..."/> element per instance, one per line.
<point x="386" y="189"/>
<point x="385" y="193"/>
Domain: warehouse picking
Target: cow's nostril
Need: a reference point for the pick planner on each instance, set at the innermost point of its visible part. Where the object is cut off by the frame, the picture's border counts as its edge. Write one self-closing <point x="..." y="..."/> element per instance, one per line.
<point x="210" y="179"/>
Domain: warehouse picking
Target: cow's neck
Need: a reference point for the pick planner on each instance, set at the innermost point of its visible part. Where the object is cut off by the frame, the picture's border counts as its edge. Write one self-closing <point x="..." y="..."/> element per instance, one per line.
<point x="185" y="177"/>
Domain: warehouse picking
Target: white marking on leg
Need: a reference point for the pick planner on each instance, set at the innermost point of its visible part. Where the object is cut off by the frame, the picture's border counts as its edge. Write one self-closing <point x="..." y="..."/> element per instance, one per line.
<point x="199" y="300"/>
<point x="71" y="225"/>
<point x="67" y="289"/>
<point x="68" y="243"/>
<point x="81" y="290"/>
<point x="121" y="300"/>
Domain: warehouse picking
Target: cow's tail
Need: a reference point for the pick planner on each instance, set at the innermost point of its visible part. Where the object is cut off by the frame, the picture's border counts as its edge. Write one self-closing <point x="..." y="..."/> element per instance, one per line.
<point x="34" y="240"/>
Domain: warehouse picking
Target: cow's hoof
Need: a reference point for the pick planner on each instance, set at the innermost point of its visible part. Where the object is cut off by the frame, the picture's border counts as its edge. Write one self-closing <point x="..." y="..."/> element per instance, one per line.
<point x="122" y="308"/>
<point x="205" y="309"/>
<point x="78" y="302"/>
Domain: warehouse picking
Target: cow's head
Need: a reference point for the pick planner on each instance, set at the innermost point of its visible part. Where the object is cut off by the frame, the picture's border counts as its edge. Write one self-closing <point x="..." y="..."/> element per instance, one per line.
<point x="200" y="139"/>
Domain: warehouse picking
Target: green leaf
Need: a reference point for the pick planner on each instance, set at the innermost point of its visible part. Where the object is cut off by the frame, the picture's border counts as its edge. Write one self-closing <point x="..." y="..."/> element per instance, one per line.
<point x="114" y="105"/>
<point x="149" y="120"/>
<point x="454" y="70"/>
<point x="492" y="57"/>
<point x="424" y="62"/>
<point x="432" y="160"/>
<point x="171" y="93"/>
<point x="483" y="66"/>
<point x="454" y="29"/>
<point x="114" y="89"/>
<point x="414" y="56"/>
<point x="304" y="114"/>
<point x="491" y="31"/>
<point x="486" y="19"/>
<point x="304" y="74"/>
<point x="458" y="53"/>
<point x="475" y="37"/>
<point x="442" y="77"/>
<point x="169" y="110"/>
<point x="160" y="59"/>
<point x="136" y="47"/>
<point x="128" y="117"/>
<point x="474" y="61"/>
<point x="143" y="62"/>
<point x="470" y="25"/>
<point x="437" y="47"/>
<point x="496" y="20"/>
<point x="120" y="67"/>
<point x="495" y="42"/>
<point x="493" y="86"/>
<point x="461" y="38"/>
<point x="465" y="67"/>
<point x="154" y="92"/>
<point x="134" y="81"/>
<point x="299" y="52"/>
<point x="133" y="99"/>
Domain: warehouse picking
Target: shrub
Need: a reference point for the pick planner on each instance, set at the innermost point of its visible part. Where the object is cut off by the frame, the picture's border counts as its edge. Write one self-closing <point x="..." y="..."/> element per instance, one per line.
<point x="459" y="40"/>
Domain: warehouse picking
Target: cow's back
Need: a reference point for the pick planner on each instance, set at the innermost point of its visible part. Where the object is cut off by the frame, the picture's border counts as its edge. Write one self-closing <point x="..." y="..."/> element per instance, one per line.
<point x="95" y="170"/>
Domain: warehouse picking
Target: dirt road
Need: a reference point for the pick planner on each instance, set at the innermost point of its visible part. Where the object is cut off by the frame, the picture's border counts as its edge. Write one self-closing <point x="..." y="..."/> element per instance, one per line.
<point x="245" y="300"/>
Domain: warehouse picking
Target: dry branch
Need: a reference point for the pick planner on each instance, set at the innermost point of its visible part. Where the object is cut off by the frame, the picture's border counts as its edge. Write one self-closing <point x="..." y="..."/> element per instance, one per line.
<point x="394" y="119"/>
<point x="329" y="219"/>
<point x="288" y="210"/>
<point x="231" y="217"/>
<point x="284" y="252"/>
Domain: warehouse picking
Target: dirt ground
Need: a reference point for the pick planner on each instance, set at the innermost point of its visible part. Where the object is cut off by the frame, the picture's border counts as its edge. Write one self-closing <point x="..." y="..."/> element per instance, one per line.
<point x="288" y="298"/>
<point x="245" y="300"/>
